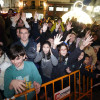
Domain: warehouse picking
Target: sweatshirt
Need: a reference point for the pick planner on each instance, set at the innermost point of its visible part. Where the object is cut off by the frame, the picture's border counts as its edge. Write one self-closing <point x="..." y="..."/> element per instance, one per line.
<point x="29" y="73"/>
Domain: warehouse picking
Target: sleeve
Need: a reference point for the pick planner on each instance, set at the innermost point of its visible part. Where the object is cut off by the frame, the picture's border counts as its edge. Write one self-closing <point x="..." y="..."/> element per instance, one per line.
<point x="26" y="24"/>
<point x="31" y="53"/>
<point x="94" y="57"/>
<point x="53" y="27"/>
<point x="74" y="55"/>
<point x="38" y="57"/>
<point x="55" y="52"/>
<point x="54" y="60"/>
<point x="7" y="80"/>
<point x="36" y="74"/>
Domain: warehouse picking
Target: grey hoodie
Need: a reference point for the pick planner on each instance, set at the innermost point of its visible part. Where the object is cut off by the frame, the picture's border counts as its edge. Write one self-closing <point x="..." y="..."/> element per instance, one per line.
<point x="46" y="64"/>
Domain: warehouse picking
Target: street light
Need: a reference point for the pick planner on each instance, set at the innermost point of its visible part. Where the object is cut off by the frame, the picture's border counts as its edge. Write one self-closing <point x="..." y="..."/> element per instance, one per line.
<point x="45" y="7"/>
<point x="45" y="4"/>
<point x="1" y="3"/>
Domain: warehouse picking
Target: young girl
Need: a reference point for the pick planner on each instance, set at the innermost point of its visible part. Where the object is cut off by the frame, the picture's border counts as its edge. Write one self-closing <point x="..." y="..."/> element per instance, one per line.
<point x="47" y="59"/>
<point x="64" y="60"/>
<point x="4" y="64"/>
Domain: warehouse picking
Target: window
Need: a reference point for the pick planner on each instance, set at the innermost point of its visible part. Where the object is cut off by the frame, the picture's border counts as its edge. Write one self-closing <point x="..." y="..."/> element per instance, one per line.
<point x="24" y="3"/>
<point x="61" y="9"/>
<point x="41" y="4"/>
<point x="51" y="8"/>
<point x="33" y="4"/>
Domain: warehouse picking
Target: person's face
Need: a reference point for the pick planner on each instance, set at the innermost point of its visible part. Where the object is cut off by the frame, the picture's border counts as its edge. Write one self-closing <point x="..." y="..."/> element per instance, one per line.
<point x="49" y="25"/>
<point x="81" y="56"/>
<point x="59" y="21"/>
<point x="46" y="48"/>
<point x="95" y="37"/>
<point x="18" y="61"/>
<point x="63" y="50"/>
<point x="51" y="41"/>
<point x="24" y="35"/>
<point x="87" y="60"/>
<point x="20" y="23"/>
<point x="18" y="34"/>
<point x="72" y="38"/>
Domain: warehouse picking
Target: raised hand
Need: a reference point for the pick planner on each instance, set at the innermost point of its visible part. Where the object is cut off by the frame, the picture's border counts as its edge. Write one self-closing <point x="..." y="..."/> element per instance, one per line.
<point x="68" y="37"/>
<point x="37" y="87"/>
<point x="57" y="26"/>
<point x="23" y="17"/>
<point x="87" y="34"/>
<point x="68" y="70"/>
<point x="36" y="16"/>
<point x="15" y="18"/>
<point x="57" y="40"/>
<point x="17" y="85"/>
<point x="86" y="42"/>
<point x="45" y="26"/>
<point x="38" y="47"/>
<point x="69" y="26"/>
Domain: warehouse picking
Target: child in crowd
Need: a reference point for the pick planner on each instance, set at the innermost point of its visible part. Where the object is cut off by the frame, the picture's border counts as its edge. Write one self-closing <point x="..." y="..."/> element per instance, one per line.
<point x="21" y="75"/>
<point x="4" y="64"/>
<point x="65" y="61"/>
<point x="48" y="61"/>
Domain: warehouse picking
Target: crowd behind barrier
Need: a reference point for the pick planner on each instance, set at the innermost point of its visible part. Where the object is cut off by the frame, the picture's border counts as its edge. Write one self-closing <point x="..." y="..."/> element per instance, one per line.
<point x="36" y="53"/>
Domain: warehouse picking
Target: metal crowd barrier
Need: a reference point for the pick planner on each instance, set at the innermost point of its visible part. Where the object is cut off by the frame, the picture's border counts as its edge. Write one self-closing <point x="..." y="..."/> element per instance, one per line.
<point x="84" y="88"/>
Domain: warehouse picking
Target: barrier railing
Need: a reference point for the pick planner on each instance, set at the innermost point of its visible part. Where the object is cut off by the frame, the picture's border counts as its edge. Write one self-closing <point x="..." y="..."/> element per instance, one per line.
<point x="80" y="91"/>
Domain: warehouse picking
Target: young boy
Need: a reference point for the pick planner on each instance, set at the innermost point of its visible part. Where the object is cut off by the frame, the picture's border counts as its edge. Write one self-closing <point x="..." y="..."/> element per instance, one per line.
<point x="21" y="75"/>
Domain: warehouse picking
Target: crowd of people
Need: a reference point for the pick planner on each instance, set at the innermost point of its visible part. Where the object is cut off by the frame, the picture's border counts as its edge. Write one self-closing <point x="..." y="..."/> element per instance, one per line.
<point x="33" y="52"/>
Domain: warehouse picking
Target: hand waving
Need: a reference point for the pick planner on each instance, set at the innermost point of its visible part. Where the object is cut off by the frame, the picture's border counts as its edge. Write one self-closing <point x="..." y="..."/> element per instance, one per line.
<point x="36" y="16"/>
<point x="38" y="47"/>
<point x="68" y="37"/>
<point x="68" y="26"/>
<point x="23" y="17"/>
<point x="86" y="42"/>
<point x="57" y="26"/>
<point x="57" y="39"/>
<point x="15" y="18"/>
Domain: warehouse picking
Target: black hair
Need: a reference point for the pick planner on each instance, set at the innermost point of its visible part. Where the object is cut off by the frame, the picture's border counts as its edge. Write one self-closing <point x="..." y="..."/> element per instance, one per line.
<point x="11" y="10"/>
<point x="49" y="54"/>
<point x="59" y="19"/>
<point x="23" y="28"/>
<point x="62" y="58"/>
<point x="16" y="51"/>
<point x="18" y="22"/>
<point x="86" y="55"/>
